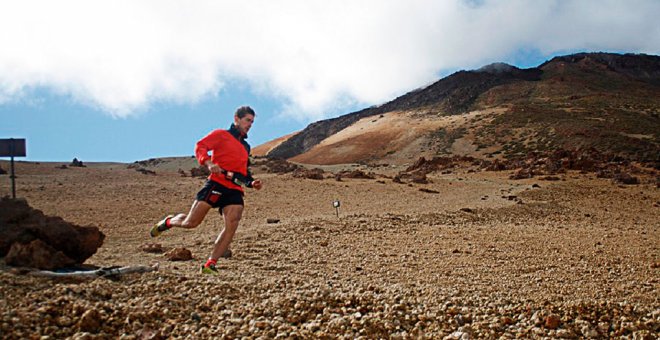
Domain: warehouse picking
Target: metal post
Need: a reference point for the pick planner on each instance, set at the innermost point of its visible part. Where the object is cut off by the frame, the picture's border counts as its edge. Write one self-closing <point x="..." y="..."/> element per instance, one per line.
<point x="12" y="176"/>
<point x="13" y="181"/>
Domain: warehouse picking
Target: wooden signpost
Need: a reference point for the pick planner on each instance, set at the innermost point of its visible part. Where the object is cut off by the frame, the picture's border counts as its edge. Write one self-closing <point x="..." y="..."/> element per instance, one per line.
<point x="12" y="147"/>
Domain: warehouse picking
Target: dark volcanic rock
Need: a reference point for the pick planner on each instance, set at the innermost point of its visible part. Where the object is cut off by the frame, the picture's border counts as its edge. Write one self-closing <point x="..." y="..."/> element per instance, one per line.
<point x="276" y="165"/>
<point x="23" y="224"/>
<point x="155" y="248"/>
<point x="439" y="163"/>
<point x="626" y="178"/>
<point x="641" y="67"/>
<point x="356" y="174"/>
<point x="145" y="171"/>
<point x="419" y="178"/>
<point x="77" y="163"/>
<point x="200" y="171"/>
<point x="315" y="173"/>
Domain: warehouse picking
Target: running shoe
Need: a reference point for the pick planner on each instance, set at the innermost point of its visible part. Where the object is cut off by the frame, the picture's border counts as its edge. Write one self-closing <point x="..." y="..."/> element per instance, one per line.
<point x="210" y="270"/>
<point x="159" y="227"/>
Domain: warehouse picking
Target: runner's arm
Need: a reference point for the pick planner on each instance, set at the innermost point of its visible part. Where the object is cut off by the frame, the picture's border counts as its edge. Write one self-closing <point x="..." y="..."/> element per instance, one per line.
<point x="202" y="148"/>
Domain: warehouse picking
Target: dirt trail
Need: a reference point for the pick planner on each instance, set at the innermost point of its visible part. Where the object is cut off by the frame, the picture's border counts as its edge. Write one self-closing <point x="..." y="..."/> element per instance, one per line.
<point x="484" y="257"/>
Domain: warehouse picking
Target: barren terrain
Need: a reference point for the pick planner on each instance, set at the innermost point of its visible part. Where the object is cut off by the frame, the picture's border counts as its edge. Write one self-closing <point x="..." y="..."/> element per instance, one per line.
<point x="477" y="256"/>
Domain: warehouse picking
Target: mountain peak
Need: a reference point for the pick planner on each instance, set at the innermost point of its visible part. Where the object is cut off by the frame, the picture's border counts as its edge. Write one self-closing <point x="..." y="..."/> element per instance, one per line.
<point x="498" y="68"/>
<point x="602" y="101"/>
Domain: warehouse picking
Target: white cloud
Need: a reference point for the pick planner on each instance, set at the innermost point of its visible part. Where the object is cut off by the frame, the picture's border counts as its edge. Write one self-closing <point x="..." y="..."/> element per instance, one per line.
<point x="317" y="56"/>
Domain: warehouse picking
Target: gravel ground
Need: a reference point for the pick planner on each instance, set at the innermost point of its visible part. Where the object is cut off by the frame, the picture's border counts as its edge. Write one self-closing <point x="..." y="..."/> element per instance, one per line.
<point x="484" y="257"/>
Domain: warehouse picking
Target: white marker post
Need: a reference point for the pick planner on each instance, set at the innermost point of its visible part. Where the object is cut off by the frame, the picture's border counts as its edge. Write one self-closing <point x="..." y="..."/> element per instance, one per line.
<point x="336" y="204"/>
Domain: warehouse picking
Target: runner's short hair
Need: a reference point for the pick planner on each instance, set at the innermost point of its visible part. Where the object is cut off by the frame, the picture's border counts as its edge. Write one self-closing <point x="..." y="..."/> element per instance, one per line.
<point x="244" y="110"/>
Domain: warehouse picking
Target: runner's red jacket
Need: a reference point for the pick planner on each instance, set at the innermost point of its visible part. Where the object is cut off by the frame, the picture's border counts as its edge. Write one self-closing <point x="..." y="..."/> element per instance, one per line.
<point x="229" y="151"/>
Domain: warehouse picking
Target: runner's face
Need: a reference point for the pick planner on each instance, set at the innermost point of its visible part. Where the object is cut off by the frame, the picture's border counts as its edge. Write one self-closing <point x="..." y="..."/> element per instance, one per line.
<point x="244" y="124"/>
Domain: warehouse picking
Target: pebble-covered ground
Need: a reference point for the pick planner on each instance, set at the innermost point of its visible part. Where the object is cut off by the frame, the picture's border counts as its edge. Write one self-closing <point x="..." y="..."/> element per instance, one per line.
<point x="484" y="257"/>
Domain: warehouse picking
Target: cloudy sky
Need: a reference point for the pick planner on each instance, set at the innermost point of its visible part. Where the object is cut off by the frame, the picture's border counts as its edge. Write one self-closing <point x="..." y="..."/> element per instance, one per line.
<point x="129" y="80"/>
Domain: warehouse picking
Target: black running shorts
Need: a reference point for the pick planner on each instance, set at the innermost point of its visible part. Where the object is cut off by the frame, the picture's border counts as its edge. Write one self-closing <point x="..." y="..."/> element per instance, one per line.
<point x="219" y="196"/>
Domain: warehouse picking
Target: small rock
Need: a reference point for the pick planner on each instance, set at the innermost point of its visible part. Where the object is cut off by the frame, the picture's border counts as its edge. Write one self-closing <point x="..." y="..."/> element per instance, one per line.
<point x="179" y="254"/>
<point x="522" y="174"/>
<point x="90" y="321"/>
<point x="626" y="178"/>
<point x="155" y="248"/>
<point x="315" y="173"/>
<point x="458" y="335"/>
<point x="82" y="336"/>
<point x="550" y="178"/>
<point x="565" y="333"/>
<point x="145" y="171"/>
<point x="148" y="333"/>
<point x="589" y="332"/>
<point x="552" y="321"/>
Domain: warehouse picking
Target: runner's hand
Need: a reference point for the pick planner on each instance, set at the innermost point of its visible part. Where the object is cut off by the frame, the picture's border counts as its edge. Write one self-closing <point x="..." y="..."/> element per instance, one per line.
<point x="214" y="168"/>
<point x="257" y="184"/>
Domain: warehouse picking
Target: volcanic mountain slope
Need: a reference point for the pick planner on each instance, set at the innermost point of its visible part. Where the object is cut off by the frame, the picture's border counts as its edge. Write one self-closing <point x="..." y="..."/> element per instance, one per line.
<point x="601" y="101"/>
<point x="263" y="149"/>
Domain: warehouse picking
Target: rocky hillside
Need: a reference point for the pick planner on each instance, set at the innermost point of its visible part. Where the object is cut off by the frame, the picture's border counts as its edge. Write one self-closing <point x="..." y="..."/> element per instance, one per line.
<point x="601" y="101"/>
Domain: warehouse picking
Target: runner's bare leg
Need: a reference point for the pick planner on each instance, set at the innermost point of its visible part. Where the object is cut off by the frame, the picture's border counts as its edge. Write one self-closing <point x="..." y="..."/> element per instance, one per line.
<point x="196" y="215"/>
<point x="232" y="214"/>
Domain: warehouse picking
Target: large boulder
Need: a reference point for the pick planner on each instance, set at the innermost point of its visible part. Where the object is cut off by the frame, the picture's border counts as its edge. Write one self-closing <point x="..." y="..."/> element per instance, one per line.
<point x="20" y="223"/>
<point x="276" y="165"/>
<point x="77" y="163"/>
<point x="315" y="173"/>
<point x="37" y="254"/>
<point x="200" y="171"/>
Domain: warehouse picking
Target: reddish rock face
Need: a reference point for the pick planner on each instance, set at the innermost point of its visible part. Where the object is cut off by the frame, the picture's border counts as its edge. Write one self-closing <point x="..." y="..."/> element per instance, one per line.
<point x="21" y="224"/>
<point x="37" y="254"/>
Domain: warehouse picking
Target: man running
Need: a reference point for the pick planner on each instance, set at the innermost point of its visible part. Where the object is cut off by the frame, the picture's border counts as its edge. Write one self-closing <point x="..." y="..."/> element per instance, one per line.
<point x="223" y="189"/>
